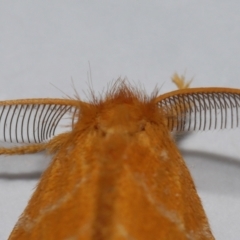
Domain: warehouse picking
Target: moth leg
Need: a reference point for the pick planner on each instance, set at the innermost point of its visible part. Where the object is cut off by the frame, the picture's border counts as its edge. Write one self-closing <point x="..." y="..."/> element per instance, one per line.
<point x="32" y="148"/>
<point x="57" y="142"/>
<point x="180" y="81"/>
<point x="51" y="147"/>
<point x="180" y="109"/>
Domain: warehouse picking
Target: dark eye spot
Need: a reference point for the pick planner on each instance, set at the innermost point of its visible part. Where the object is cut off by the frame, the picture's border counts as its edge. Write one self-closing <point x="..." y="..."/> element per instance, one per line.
<point x="142" y="126"/>
<point x="103" y="133"/>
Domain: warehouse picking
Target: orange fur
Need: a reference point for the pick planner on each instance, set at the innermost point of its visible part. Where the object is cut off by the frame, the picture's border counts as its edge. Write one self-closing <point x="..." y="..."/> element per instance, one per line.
<point x="117" y="175"/>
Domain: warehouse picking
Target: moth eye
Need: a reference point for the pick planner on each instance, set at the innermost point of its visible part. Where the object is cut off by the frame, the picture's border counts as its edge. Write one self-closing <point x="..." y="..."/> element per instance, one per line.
<point x="103" y="133"/>
<point x="142" y="126"/>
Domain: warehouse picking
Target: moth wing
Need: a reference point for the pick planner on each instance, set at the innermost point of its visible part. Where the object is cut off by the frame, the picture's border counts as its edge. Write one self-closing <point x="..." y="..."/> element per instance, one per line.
<point x="201" y="109"/>
<point x="36" y="120"/>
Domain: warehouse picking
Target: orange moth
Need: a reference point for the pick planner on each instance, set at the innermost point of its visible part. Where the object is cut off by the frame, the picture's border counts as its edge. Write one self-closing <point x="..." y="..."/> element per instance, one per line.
<point x="117" y="174"/>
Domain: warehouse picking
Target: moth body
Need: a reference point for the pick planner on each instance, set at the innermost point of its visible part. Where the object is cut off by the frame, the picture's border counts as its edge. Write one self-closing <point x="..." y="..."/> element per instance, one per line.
<point x="117" y="175"/>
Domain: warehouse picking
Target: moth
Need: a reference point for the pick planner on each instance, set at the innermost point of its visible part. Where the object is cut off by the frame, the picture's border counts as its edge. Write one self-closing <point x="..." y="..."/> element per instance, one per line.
<point x="117" y="173"/>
